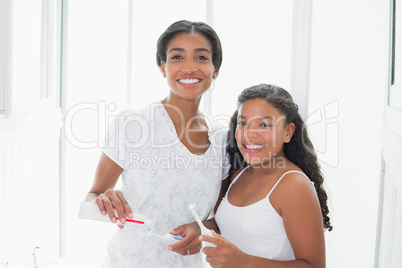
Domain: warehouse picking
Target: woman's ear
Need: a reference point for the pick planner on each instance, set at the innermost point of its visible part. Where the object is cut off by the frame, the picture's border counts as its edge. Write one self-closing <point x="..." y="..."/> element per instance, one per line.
<point x="215" y="74"/>
<point x="163" y="69"/>
<point x="290" y="129"/>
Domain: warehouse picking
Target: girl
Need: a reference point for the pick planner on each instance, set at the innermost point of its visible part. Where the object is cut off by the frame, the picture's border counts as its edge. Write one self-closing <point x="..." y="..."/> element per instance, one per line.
<point x="275" y="210"/>
<point x="161" y="152"/>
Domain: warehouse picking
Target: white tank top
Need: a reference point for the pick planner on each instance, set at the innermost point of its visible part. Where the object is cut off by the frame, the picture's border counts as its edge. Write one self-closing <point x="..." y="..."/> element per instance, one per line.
<point x="256" y="229"/>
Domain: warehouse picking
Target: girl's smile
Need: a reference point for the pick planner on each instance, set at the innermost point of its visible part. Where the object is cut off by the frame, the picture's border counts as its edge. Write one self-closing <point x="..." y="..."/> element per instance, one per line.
<point x="253" y="148"/>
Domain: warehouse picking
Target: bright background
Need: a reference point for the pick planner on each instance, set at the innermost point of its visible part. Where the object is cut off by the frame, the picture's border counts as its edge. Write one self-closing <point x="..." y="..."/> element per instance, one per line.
<point x="331" y="55"/>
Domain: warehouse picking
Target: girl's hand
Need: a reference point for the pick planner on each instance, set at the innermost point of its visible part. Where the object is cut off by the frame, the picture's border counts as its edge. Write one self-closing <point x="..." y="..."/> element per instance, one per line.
<point x="226" y="254"/>
<point x="114" y="199"/>
<point x="190" y="243"/>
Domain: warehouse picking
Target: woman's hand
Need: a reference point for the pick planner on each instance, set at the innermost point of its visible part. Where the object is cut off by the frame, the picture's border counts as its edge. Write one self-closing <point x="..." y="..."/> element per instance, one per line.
<point x="114" y="199"/>
<point x="226" y="254"/>
<point x="190" y="243"/>
<point x="102" y="193"/>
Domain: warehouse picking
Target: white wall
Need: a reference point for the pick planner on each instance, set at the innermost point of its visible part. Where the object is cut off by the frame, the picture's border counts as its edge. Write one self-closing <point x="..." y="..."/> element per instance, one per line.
<point x="349" y="66"/>
<point x="96" y="71"/>
<point x="256" y="38"/>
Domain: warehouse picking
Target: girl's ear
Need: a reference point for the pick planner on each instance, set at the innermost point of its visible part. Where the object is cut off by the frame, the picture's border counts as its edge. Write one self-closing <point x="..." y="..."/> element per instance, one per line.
<point x="163" y="69"/>
<point x="290" y="129"/>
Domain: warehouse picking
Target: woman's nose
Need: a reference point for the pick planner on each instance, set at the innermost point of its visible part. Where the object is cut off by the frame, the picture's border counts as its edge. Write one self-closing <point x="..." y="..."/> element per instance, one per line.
<point x="189" y="67"/>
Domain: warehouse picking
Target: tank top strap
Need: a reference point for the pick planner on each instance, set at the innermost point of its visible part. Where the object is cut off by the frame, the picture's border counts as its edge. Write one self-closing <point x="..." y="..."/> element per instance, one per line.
<point x="287" y="172"/>
<point x="235" y="179"/>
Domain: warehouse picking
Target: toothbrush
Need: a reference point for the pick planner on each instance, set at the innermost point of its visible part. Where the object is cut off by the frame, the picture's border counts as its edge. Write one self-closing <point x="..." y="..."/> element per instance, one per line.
<point x="168" y="239"/>
<point x="204" y="230"/>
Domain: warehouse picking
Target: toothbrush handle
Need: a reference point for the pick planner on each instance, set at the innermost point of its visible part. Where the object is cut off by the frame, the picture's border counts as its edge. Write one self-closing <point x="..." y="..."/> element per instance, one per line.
<point x="170" y="239"/>
<point x="208" y="244"/>
<point x="198" y="220"/>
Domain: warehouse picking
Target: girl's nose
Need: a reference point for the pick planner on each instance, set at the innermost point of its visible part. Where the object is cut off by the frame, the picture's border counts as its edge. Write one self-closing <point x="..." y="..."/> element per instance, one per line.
<point x="251" y="133"/>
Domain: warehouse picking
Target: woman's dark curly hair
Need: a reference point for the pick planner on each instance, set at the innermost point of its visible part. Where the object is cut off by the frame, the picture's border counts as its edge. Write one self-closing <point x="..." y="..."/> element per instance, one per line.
<point x="299" y="150"/>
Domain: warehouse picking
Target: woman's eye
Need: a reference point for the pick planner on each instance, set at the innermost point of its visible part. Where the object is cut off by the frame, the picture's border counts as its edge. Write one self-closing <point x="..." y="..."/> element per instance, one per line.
<point x="241" y="123"/>
<point x="266" y="125"/>
<point x="176" y="57"/>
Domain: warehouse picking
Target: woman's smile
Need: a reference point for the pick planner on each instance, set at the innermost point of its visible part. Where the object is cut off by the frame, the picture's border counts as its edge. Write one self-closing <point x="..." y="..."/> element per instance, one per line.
<point x="189" y="81"/>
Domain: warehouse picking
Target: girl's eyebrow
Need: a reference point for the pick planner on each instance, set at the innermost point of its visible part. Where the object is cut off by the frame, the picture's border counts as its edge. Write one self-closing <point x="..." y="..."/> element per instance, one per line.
<point x="183" y="50"/>
<point x="259" y="117"/>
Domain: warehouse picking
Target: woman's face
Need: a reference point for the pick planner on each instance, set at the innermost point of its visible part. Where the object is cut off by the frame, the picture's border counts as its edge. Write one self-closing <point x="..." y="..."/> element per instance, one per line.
<point x="188" y="68"/>
<point x="261" y="132"/>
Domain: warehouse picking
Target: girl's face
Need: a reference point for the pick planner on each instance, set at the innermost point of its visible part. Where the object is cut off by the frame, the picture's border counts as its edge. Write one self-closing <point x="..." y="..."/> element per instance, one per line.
<point x="188" y="68"/>
<point x="261" y="132"/>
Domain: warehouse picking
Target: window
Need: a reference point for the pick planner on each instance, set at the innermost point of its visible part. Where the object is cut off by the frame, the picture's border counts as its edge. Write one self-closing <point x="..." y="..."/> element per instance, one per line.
<point x="5" y="51"/>
<point x="395" y="94"/>
<point x="29" y="55"/>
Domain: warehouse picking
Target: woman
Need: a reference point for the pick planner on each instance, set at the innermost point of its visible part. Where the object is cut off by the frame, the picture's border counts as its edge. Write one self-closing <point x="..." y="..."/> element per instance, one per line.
<point x="166" y="154"/>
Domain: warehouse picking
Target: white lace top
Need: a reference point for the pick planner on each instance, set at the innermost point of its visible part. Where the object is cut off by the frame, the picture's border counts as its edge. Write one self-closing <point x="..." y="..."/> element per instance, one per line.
<point x="160" y="178"/>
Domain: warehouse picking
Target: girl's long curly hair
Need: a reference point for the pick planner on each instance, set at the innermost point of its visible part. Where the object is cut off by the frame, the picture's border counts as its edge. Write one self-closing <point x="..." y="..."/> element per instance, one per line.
<point x="299" y="150"/>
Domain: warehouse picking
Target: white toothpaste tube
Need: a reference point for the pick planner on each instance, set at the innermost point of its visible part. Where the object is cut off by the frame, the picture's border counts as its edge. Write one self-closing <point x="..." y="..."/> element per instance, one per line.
<point x="90" y="211"/>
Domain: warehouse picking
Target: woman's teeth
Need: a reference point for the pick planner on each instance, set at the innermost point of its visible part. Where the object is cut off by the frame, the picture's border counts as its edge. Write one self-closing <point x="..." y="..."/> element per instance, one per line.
<point x="189" y="81"/>
<point x="254" y="146"/>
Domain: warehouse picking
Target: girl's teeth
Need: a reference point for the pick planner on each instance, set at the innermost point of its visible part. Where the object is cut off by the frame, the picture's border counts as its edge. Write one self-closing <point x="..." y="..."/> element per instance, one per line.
<point x="254" y="146"/>
<point x="189" y="81"/>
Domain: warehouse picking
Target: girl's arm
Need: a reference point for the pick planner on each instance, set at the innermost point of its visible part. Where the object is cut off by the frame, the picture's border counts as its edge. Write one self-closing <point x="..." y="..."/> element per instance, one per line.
<point x="302" y="219"/>
<point x="210" y="223"/>
<point x="102" y="193"/>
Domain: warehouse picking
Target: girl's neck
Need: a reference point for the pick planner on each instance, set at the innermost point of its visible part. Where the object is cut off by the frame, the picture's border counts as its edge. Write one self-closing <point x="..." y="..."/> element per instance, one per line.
<point x="275" y="164"/>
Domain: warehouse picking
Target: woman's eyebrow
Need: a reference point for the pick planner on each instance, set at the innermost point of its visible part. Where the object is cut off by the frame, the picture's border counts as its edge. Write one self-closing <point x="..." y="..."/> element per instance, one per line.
<point x="202" y="49"/>
<point x="176" y="49"/>
<point x="182" y="50"/>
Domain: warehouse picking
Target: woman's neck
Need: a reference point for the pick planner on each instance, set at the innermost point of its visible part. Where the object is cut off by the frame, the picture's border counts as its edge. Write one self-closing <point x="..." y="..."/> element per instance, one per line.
<point x="181" y="110"/>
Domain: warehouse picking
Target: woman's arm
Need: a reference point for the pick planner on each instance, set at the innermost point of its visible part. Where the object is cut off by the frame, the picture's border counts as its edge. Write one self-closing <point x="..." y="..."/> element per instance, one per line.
<point x="102" y="193"/>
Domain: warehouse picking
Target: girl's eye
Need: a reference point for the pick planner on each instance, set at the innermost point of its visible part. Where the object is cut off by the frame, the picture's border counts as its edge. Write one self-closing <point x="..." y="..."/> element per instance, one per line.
<point x="266" y="125"/>
<point x="202" y="58"/>
<point x="241" y="123"/>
